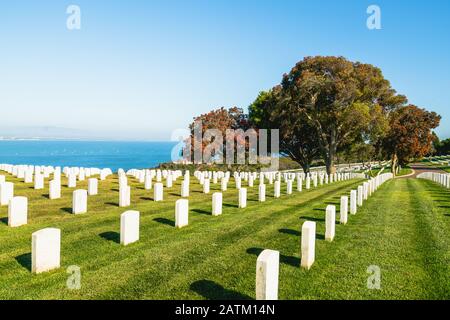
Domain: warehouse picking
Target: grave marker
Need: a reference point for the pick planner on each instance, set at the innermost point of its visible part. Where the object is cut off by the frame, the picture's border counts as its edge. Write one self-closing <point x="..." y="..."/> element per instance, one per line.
<point x="45" y="250"/>
<point x="129" y="227"/>
<point x="267" y="270"/>
<point x="308" y="244"/>
<point x="181" y="213"/>
<point x="17" y="211"/>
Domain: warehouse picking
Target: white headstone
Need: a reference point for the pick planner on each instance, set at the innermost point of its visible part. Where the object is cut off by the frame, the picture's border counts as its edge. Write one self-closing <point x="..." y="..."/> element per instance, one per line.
<point x="366" y="190"/>
<point x="55" y="189"/>
<point x="148" y="182"/>
<point x="242" y="197"/>
<point x="353" y="197"/>
<point x="206" y="186"/>
<point x="169" y="181"/>
<point x="124" y="196"/>
<point x="181" y="213"/>
<point x="38" y="182"/>
<point x="277" y="189"/>
<point x="158" y="191"/>
<point x="262" y="193"/>
<point x="267" y="269"/>
<point x="92" y="186"/>
<point x="17" y="211"/>
<point x="308" y="244"/>
<point x="223" y="184"/>
<point x="129" y="227"/>
<point x="299" y="184"/>
<point x="46" y="250"/>
<point x="79" y="202"/>
<point x="289" y="187"/>
<point x="330" y="223"/>
<point x="185" y="188"/>
<point x="360" y="196"/>
<point x="238" y="183"/>
<point x="343" y="217"/>
<point x="29" y="176"/>
<point x="72" y="181"/>
<point x="6" y="193"/>
<point x="217" y="203"/>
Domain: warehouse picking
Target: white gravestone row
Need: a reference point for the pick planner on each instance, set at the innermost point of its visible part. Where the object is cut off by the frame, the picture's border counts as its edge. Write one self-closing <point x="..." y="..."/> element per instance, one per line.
<point x="440" y="178"/>
<point x="309" y="227"/>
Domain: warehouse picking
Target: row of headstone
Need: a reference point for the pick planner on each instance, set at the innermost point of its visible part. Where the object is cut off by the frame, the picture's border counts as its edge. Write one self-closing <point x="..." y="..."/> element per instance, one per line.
<point x="46" y="243"/>
<point x="441" y="178"/>
<point x="267" y="264"/>
<point x="29" y="172"/>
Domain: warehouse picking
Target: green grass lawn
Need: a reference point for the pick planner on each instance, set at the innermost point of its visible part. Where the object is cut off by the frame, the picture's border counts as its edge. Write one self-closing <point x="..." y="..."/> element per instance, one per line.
<point x="404" y="229"/>
<point x="403" y="171"/>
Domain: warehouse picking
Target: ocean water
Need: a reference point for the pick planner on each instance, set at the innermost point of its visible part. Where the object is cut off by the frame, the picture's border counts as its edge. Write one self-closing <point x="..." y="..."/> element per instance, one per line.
<point x="98" y="154"/>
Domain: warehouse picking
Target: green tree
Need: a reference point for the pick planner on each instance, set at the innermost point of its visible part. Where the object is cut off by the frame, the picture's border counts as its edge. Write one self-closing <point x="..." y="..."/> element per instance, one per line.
<point x="297" y="139"/>
<point x="339" y="101"/>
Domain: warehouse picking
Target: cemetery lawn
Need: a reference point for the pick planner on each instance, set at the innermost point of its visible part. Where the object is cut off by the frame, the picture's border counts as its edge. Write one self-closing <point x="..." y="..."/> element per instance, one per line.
<point x="404" y="229"/>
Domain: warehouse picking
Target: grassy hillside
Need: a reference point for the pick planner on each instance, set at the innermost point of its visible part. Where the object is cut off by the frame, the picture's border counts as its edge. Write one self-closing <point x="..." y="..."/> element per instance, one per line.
<point x="404" y="229"/>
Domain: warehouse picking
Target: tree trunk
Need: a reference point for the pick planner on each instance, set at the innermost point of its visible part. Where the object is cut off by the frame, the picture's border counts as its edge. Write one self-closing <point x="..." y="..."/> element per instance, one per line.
<point x="394" y="164"/>
<point x="329" y="159"/>
<point x="305" y="167"/>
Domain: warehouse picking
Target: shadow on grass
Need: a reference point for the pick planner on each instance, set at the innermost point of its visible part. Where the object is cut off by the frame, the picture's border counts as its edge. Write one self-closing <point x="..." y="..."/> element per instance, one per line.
<point x="111" y="236"/>
<point x="289" y="260"/>
<point x="313" y="219"/>
<point x="201" y="211"/>
<point x="24" y="260"/>
<point x="146" y="198"/>
<point x="67" y="210"/>
<point x="114" y="204"/>
<point x="165" y="221"/>
<point x="230" y="205"/>
<point x="214" y="291"/>
<point x="47" y="196"/>
<point x="175" y="194"/>
<point x="290" y="231"/>
<point x="4" y="220"/>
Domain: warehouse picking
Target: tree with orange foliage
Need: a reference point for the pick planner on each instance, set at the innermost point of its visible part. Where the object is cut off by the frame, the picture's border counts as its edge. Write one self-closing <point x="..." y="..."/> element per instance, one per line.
<point x="219" y="119"/>
<point x="410" y="134"/>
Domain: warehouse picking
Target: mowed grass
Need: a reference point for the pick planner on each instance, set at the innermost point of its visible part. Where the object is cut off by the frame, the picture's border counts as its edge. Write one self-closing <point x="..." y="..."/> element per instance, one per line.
<point x="404" y="229"/>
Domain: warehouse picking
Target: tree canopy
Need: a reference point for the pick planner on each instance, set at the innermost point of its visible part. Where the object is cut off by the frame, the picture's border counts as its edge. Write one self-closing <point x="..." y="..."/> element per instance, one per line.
<point x="410" y="134"/>
<point x="328" y="107"/>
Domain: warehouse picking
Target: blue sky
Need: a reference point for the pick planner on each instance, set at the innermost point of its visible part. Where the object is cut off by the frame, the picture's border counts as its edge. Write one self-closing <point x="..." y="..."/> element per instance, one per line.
<point x="141" y="69"/>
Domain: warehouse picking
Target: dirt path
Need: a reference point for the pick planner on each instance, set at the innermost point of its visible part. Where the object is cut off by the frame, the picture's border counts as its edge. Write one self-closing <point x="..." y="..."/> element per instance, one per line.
<point x="419" y="168"/>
